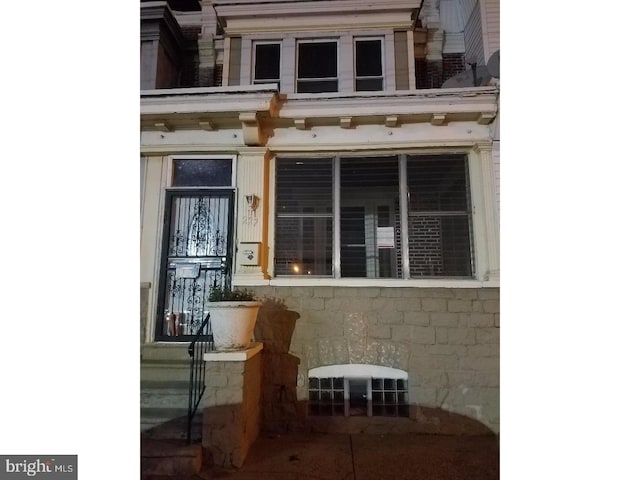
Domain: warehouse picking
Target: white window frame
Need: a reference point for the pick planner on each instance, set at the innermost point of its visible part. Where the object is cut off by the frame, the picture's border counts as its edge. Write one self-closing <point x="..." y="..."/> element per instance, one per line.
<point x="255" y="43"/>
<point x="382" y="76"/>
<point x="336" y="276"/>
<point x="300" y="41"/>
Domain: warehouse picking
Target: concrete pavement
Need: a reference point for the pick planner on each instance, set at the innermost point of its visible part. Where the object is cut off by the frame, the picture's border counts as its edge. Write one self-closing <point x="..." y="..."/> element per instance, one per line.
<point x="365" y="456"/>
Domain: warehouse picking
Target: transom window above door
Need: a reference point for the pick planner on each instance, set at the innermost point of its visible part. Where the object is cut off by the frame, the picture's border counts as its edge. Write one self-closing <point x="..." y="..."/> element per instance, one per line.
<point x="198" y="172"/>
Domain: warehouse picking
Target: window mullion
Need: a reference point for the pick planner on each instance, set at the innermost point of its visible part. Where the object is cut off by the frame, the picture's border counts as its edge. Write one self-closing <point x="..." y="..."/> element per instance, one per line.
<point x="404" y="217"/>
<point x="336" y="217"/>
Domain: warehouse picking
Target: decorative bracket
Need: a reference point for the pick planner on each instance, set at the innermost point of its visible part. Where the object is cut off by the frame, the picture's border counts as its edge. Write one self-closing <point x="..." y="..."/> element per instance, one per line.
<point x="207" y="125"/>
<point x="300" y="123"/>
<point x="163" y="126"/>
<point x="391" y="121"/>
<point x="346" y="122"/>
<point x="251" y="128"/>
<point x="438" y="118"/>
<point x="485" y="118"/>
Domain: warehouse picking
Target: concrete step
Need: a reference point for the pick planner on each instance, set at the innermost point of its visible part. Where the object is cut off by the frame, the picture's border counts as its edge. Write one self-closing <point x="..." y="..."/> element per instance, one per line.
<point x="164" y="394"/>
<point x="158" y="457"/>
<point x="165" y="351"/>
<point x="165" y="370"/>
<point x="169" y="423"/>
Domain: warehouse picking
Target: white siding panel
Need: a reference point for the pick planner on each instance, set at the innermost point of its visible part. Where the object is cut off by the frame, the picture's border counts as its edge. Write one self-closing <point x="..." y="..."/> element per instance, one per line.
<point x="473" y="36"/>
<point x="496" y="168"/>
<point x="450" y="16"/>
<point x="466" y="9"/>
<point x="492" y="26"/>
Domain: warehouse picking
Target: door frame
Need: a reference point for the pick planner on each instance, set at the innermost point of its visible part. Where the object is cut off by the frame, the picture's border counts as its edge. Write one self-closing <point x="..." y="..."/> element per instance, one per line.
<point x="170" y="194"/>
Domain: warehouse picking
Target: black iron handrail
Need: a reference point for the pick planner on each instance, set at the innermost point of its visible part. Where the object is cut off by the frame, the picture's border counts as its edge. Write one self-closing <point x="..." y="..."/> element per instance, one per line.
<point x="201" y="344"/>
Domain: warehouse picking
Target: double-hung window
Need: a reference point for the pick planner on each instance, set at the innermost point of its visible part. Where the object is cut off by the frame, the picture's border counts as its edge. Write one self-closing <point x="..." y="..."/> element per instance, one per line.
<point x="266" y="63"/>
<point x="369" y="64"/>
<point x="317" y="69"/>
<point x="400" y="216"/>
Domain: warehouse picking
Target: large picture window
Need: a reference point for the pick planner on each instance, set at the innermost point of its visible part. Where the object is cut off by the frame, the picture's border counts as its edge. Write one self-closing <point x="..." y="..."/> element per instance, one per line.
<point x="414" y="207"/>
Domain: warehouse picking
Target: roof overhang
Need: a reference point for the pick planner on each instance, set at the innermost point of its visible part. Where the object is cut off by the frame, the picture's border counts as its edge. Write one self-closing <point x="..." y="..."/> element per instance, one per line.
<point x="260" y="108"/>
<point x="314" y="15"/>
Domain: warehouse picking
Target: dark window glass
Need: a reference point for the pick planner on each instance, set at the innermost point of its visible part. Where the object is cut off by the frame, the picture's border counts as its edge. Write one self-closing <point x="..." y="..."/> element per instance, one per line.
<point x="439" y="217"/>
<point x="368" y="65"/>
<point x="368" y="58"/>
<point x="201" y="173"/>
<point x="317" y="67"/>
<point x="369" y="214"/>
<point x="368" y="84"/>
<point x="267" y="65"/>
<point x="304" y="217"/>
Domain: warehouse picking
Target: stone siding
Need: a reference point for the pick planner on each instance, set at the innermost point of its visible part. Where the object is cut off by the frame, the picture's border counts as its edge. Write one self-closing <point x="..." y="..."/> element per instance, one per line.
<point x="446" y="339"/>
<point x="144" y="311"/>
<point x="231" y="410"/>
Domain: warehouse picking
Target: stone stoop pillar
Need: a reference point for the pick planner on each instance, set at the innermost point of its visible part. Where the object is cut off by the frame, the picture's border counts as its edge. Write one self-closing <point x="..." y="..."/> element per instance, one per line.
<point x="231" y="405"/>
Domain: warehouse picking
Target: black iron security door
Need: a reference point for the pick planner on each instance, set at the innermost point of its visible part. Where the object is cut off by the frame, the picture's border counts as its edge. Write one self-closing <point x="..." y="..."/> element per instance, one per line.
<point x="196" y="256"/>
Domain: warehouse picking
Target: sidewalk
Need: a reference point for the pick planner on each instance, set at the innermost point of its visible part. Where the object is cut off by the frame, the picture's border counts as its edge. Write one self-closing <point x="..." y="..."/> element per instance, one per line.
<point x="365" y="456"/>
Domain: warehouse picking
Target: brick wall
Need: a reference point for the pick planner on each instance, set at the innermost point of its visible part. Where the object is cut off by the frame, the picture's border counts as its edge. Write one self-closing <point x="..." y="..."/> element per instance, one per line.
<point x="452" y="64"/>
<point x="433" y="73"/>
<point x="425" y="246"/>
<point x="446" y="339"/>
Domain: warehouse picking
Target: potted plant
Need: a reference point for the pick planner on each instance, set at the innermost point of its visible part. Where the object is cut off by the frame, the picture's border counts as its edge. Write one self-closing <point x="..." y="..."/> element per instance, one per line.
<point x="233" y="317"/>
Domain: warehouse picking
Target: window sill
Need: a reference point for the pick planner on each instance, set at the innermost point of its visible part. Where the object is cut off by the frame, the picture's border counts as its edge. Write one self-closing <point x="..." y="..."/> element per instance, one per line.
<point x="366" y="282"/>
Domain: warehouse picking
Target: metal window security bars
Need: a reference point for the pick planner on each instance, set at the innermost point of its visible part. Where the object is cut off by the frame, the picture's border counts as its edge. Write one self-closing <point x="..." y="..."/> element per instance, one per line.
<point x="202" y="343"/>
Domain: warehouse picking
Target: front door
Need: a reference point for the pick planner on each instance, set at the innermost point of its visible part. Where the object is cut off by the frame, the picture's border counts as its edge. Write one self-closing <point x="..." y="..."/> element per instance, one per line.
<point x="196" y="257"/>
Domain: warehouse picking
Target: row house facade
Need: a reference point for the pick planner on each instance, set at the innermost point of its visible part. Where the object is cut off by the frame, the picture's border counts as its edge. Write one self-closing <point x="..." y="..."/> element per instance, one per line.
<point x="308" y="151"/>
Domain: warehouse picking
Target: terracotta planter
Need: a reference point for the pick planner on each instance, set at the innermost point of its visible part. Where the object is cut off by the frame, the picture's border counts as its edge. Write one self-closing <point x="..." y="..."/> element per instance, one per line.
<point x="232" y="324"/>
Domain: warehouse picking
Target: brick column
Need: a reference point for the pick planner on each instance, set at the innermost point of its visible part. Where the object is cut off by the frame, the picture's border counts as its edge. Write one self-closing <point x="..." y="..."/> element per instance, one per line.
<point x="231" y="405"/>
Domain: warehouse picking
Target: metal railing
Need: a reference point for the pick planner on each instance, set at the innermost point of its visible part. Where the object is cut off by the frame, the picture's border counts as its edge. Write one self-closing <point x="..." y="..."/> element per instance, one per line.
<point x="201" y="344"/>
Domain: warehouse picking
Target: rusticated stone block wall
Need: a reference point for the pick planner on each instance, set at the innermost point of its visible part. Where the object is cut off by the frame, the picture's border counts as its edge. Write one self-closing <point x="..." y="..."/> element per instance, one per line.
<point x="231" y="410"/>
<point x="447" y="340"/>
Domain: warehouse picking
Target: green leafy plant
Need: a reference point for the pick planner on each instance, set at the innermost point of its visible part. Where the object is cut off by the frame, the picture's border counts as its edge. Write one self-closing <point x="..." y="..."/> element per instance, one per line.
<point x="220" y="294"/>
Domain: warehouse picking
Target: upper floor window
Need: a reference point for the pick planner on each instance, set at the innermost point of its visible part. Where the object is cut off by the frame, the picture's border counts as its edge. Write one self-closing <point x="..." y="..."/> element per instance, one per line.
<point x="317" y="66"/>
<point x="266" y="63"/>
<point x="368" y="59"/>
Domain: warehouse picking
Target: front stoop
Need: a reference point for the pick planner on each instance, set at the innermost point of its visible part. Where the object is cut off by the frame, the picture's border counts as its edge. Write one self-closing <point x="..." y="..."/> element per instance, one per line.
<point x="158" y="457"/>
<point x="164" y="393"/>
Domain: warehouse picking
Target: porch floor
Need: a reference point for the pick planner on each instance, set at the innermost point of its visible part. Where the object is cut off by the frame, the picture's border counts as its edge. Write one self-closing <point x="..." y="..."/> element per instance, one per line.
<point x="354" y="457"/>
